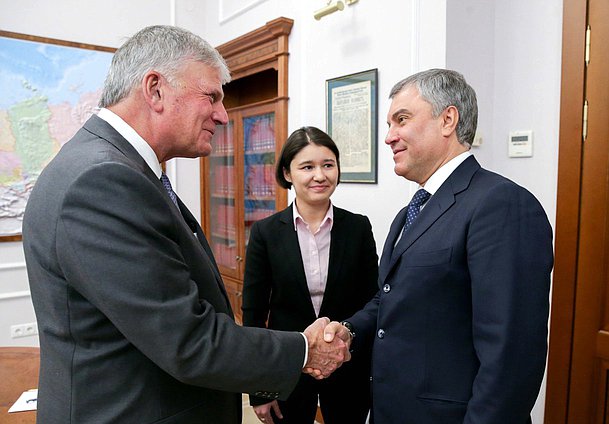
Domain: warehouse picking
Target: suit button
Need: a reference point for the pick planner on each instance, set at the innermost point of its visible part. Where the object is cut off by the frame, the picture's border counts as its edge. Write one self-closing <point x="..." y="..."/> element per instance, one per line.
<point x="381" y="333"/>
<point x="386" y="288"/>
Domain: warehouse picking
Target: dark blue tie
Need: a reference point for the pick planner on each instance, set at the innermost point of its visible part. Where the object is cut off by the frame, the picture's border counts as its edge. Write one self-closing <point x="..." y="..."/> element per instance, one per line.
<point x="170" y="191"/>
<point x="418" y="200"/>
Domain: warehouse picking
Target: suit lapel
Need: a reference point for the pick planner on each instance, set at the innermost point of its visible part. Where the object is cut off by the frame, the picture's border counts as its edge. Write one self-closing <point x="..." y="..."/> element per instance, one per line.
<point x="101" y="128"/>
<point x="394" y="232"/>
<point x="195" y="228"/>
<point x="437" y="205"/>
<point x="289" y="240"/>
<point x="338" y="240"/>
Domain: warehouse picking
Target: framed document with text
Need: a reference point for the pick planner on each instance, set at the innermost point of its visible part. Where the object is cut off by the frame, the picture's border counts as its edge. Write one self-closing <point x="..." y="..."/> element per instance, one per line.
<point x="351" y="120"/>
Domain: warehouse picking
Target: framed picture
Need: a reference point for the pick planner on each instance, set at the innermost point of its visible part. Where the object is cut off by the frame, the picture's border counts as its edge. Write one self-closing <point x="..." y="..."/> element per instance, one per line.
<point x="351" y="120"/>
<point x="49" y="89"/>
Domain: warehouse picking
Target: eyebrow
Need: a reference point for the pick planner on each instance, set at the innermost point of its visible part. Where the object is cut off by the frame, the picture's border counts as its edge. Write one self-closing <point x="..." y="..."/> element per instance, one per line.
<point x="306" y="162"/>
<point x="210" y="91"/>
<point x="218" y="94"/>
<point x="395" y="114"/>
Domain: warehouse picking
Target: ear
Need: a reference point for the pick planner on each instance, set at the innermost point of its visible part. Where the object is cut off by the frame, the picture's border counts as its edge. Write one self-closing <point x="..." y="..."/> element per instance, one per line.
<point x="286" y="175"/>
<point x="450" y="119"/>
<point x="153" y="86"/>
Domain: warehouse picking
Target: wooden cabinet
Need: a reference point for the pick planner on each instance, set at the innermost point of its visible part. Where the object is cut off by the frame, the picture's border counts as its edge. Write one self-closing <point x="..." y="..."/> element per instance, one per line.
<point x="240" y="186"/>
<point x="238" y="178"/>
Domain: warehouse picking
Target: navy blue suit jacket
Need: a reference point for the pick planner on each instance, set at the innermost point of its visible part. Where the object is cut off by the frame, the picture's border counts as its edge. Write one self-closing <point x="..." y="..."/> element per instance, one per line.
<point x="459" y="327"/>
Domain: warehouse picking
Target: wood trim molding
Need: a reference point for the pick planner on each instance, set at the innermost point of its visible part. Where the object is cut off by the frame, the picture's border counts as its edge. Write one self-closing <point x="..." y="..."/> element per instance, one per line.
<point x="259" y="49"/>
<point x="567" y="211"/>
<point x="36" y="38"/>
<point x="16" y="237"/>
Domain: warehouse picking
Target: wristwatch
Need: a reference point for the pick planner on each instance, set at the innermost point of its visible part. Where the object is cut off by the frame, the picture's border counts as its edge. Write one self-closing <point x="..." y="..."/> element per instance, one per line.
<point x="349" y="327"/>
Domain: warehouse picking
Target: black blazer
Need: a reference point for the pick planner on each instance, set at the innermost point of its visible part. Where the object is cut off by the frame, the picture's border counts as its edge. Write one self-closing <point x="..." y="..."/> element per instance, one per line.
<point x="135" y="325"/>
<point x="275" y="286"/>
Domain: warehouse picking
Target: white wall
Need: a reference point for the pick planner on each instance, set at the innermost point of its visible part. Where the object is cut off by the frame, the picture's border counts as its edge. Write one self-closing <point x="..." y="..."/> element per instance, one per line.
<point x="102" y="23"/>
<point x="350" y="41"/>
<point x="510" y="53"/>
<point x="509" y="50"/>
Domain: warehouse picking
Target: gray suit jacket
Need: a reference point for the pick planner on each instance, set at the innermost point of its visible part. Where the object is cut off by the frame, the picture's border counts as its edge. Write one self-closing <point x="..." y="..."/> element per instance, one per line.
<point x="135" y="325"/>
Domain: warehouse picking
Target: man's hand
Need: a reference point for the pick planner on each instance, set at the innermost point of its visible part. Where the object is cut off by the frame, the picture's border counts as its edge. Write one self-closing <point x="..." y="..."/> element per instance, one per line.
<point x="263" y="412"/>
<point x="328" y="347"/>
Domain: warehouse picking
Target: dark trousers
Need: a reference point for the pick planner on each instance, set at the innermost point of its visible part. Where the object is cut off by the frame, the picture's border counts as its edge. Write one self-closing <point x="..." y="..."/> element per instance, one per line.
<point x="344" y="398"/>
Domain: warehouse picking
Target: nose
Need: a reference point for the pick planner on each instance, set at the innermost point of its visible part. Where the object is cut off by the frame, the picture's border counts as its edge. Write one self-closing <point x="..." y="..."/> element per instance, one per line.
<point x="318" y="174"/>
<point x="391" y="136"/>
<point x="219" y="114"/>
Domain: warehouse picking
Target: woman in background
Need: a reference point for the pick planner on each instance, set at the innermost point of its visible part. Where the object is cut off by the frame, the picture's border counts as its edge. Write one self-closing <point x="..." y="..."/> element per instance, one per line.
<point x="312" y="260"/>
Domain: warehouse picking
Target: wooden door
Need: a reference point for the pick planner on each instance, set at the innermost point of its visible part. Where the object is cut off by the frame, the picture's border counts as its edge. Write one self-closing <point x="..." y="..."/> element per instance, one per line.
<point x="578" y="368"/>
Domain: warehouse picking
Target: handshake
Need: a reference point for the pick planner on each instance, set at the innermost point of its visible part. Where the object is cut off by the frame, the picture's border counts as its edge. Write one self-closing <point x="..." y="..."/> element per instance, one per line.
<point x="328" y="344"/>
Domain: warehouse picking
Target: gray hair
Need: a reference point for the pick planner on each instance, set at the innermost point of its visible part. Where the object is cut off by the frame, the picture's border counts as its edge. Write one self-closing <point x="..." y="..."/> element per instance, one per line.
<point x="162" y="48"/>
<point x="442" y="88"/>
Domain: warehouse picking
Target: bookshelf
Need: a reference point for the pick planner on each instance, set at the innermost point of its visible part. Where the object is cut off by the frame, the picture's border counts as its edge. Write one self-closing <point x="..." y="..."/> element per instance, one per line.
<point x="238" y="179"/>
<point x="240" y="176"/>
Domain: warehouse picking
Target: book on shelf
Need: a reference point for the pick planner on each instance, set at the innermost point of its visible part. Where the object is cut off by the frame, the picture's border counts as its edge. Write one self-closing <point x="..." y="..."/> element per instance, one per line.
<point x="223" y="141"/>
<point x="252" y="215"/>
<point x="224" y="180"/>
<point x="225" y="254"/>
<point x="260" y="180"/>
<point x="260" y="134"/>
<point x="224" y="224"/>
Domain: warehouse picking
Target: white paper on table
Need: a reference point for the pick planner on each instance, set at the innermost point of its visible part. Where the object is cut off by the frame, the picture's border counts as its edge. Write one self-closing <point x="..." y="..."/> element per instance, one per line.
<point x="26" y="402"/>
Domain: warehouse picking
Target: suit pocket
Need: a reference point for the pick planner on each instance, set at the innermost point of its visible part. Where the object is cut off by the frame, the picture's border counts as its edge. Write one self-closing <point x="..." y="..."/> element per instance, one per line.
<point x="431" y="258"/>
<point x="442" y="410"/>
<point x="439" y="399"/>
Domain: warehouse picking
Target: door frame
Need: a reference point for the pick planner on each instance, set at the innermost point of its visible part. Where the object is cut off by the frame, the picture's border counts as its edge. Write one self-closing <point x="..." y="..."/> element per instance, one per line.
<point x="570" y="157"/>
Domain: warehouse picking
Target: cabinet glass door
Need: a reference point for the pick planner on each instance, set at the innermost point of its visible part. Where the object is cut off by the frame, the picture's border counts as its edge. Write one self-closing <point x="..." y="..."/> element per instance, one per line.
<point x="223" y="192"/>
<point x="258" y="168"/>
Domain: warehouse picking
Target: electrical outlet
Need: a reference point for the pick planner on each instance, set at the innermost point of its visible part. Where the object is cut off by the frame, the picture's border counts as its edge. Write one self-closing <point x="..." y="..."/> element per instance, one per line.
<point x="24" y="330"/>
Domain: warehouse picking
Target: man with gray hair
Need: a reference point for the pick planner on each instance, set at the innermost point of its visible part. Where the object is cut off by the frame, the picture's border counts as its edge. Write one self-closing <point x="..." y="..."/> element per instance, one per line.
<point x="459" y="327"/>
<point x="135" y="324"/>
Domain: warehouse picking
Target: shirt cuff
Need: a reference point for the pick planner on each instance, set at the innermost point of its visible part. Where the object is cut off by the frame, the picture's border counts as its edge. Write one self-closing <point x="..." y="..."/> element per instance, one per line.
<point x="306" y="353"/>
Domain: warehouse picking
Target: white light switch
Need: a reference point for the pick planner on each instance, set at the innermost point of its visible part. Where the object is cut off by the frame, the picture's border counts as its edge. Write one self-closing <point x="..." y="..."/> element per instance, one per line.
<point x="520" y="144"/>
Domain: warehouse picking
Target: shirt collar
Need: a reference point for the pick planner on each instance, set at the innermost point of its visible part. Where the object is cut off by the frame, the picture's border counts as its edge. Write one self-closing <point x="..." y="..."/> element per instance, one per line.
<point x="129" y="134"/>
<point x="329" y="216"/>
<point x="437" y="179"/>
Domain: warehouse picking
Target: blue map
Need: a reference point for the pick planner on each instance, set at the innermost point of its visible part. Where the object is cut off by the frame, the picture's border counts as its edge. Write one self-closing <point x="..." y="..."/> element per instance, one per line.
<point x="47" y="91"/>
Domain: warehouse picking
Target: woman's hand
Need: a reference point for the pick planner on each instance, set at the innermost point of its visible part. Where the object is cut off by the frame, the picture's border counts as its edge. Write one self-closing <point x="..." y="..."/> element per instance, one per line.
<point x="263" y="412"/>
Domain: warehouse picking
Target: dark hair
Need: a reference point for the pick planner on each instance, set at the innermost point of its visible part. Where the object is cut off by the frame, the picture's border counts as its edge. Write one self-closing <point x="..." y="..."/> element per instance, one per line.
<point x="443" y="88"/>
<point x="297" y="141"/>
